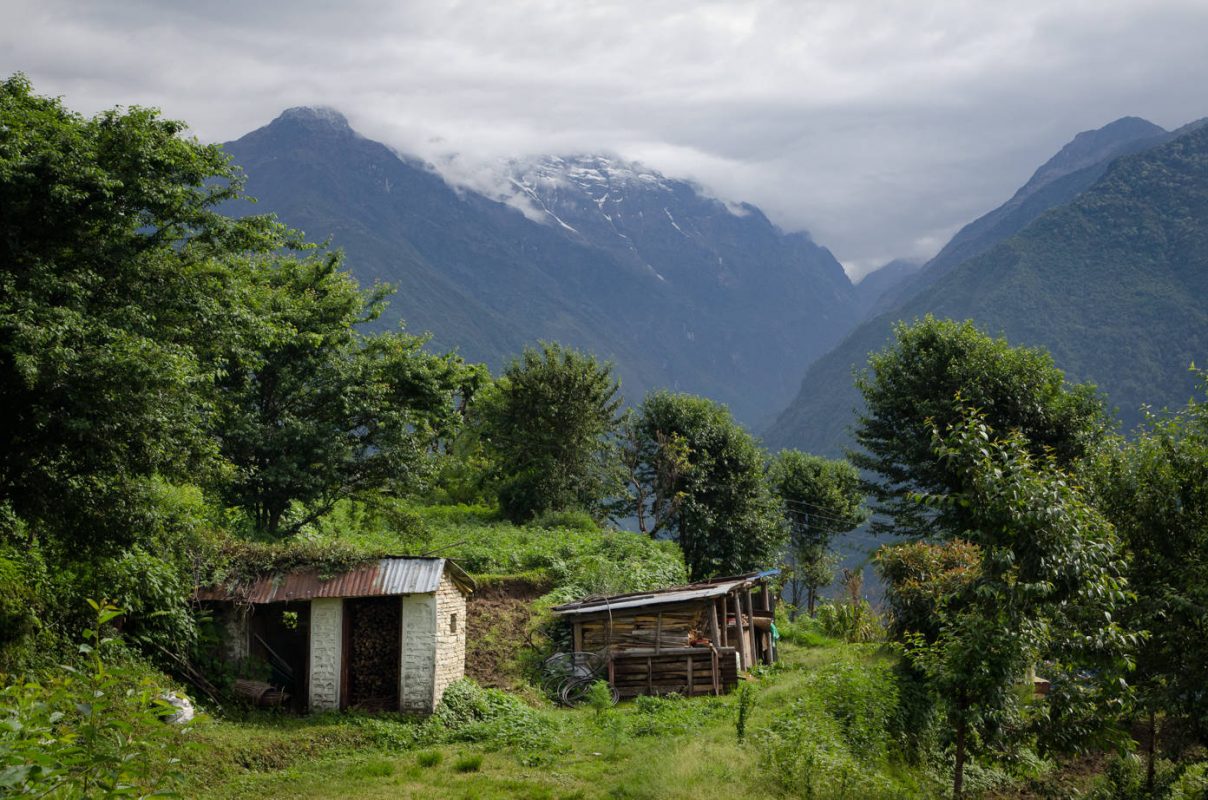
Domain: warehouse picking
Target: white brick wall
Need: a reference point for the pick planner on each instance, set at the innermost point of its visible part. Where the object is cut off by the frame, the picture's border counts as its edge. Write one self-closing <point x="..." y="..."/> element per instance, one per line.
<point x="418" y="656"/>
<point x="326" y="651"/>
<point x="236" y="637"/>
<point x="450" y="641"/>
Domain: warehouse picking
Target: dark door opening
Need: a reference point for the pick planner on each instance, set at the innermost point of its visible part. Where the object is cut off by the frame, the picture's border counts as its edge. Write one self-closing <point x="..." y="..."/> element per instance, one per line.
<point x="372" y="640"/>
<point x="279" y="646"/>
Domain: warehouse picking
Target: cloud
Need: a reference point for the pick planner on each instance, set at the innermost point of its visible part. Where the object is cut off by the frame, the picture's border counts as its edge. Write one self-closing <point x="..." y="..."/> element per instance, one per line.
<point x="880" y="126"/>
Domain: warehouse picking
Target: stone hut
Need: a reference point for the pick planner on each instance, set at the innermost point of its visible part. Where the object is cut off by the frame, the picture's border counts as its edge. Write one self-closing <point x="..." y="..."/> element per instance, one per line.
<point x="387" y="635"/>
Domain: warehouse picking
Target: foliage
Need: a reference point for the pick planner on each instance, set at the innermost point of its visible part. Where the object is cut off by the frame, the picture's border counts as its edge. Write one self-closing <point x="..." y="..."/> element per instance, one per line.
<point x="548" y="421"/>
<point x="849" y="621"/>
<point x="316" y="411"/>
<point x="804" y="755"/>
<point x="822" y="498"/>
<point x="705" y="473"/>
<point x="429" y="758"/>
<point x="863" y="699"/>
<point x="1155" y="489"/>
<point x="912" y="387"/>
<point x="119" y="282"/>
<point x="746" y="702"/>
<point x="598" y="697"/>
<point x="468" y="763"/>
<point x="470" y="713"/>
<point x="852" y="619"/>
<point x="90" y="732"/>
<point x="23" y="581"/>
<point x="672" y="714"/>
<point x="919" y="577"/>
<point x="1046" y="586"/>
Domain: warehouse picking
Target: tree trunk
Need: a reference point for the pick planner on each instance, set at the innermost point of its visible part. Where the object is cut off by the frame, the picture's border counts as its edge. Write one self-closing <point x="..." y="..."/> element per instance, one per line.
<point x="958" y="772"/>
<point x="812" y="599"/>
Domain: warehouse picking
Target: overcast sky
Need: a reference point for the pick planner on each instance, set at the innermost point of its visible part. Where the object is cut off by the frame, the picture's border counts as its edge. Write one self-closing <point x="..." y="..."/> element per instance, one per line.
<point x="880" y="127"/>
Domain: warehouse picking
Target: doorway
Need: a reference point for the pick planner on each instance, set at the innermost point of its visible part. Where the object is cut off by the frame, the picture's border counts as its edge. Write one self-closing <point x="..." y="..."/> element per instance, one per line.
<point x="372" y="641"/>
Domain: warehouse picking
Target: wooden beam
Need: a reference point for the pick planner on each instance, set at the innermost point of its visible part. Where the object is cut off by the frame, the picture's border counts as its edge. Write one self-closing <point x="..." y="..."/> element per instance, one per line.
<point x="744" y="652"/>
<point x="578" y="627"/>
<point x="714" y="635"/>
<point x="750" y="629"/>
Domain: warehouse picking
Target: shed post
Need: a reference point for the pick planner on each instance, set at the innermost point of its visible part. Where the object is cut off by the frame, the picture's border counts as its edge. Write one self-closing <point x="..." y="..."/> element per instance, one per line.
<point x="578" y="629"/>
<point x="744" y="649"/>
<point x="713" y="627"/>
<point x="750" y="630"/>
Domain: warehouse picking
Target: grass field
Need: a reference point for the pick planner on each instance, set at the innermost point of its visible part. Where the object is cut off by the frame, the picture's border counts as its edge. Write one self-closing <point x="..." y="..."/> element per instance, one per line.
<point x="674" y="749"/>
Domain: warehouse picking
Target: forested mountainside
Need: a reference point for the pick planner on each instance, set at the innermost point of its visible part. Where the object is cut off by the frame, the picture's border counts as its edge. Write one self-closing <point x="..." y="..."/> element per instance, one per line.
<point x="883" y="280"/>
<point x="678" y="289"/>
<point x="1114" y="284"/>
<point x="1078" y="164"/>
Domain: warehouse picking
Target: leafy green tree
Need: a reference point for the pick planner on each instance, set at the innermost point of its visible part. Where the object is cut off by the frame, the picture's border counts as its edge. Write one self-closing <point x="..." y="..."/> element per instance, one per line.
<point x="549" y="421"/>
<point x="822" y="498"/>
<point x="118" y="278"/>
<point x="701" y="480"/>
<point x="1155" y="489"/>
<point x="319" y="412"/>
<point x="914" y="385"/>
<point x="1047" y="586"/>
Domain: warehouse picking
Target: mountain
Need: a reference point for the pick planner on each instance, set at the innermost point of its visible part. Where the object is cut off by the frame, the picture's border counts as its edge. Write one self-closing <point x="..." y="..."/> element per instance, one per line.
<point x="886" y="278"/>
<point x="1058" y="181"/>
<point x="680" y="290"/>
<point x="1114" y="283"/>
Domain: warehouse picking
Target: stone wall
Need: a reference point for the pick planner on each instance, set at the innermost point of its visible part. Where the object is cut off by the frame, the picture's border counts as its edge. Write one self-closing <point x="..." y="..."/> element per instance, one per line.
<point x="450" y="636"/>
<point x="418" y="653"/>
<point x="326" y="651"/>
<point x="236" y="635"/>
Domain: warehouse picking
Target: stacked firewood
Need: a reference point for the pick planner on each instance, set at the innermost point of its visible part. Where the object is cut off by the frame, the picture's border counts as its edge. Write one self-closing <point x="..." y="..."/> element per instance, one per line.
<point x="373" y="669"/>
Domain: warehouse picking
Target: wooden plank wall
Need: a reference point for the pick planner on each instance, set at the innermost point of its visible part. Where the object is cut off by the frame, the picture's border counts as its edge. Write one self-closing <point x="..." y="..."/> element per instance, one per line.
<point x="685" y="671"/>
<point x="645" y="628"/>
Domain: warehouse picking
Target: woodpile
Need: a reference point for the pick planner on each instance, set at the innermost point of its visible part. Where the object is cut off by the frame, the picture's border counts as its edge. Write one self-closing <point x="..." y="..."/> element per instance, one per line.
<point x="685" y="671"/>
<point x="648" y="629"/>
<point x="373" y="665"/>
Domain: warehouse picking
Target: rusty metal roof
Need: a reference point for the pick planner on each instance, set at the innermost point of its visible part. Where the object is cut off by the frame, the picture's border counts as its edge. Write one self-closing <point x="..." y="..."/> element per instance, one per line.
<point x="674" y="594"/>
<point x="386" y="576"/>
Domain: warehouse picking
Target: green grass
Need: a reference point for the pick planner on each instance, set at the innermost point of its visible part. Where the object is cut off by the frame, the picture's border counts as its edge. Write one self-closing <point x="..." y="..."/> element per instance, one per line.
<point x="678" y="749"/>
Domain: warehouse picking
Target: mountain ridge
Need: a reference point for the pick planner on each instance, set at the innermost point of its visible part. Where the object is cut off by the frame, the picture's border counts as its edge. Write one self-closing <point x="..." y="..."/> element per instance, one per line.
<point x="680" y="290"/>
<point x="1114" y="283"/>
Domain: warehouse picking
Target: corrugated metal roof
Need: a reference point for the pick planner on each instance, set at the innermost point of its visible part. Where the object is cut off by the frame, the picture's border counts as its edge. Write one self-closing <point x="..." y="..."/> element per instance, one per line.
<point x="387" y="576"/>
<point x="675" y="594"/>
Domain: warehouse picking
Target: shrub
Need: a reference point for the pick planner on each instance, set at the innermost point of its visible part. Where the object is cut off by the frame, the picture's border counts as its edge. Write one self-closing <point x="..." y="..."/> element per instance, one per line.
<point x="863" y="699"/>
<point x="575" y="520"/>
<point x="804" y="755"/>
<point x="673" y="714"/>
<point x="850" y="621"/>
<point x="746" y="701"/>
<point x="90" y="732"/>
<point x="470" y="713"/>
<point x="1192" y="784"/>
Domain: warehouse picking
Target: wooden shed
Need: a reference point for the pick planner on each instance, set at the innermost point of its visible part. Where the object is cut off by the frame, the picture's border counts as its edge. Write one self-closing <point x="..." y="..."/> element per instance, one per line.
<point x="690" y="640"/>
<point x="387" y="635"/>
